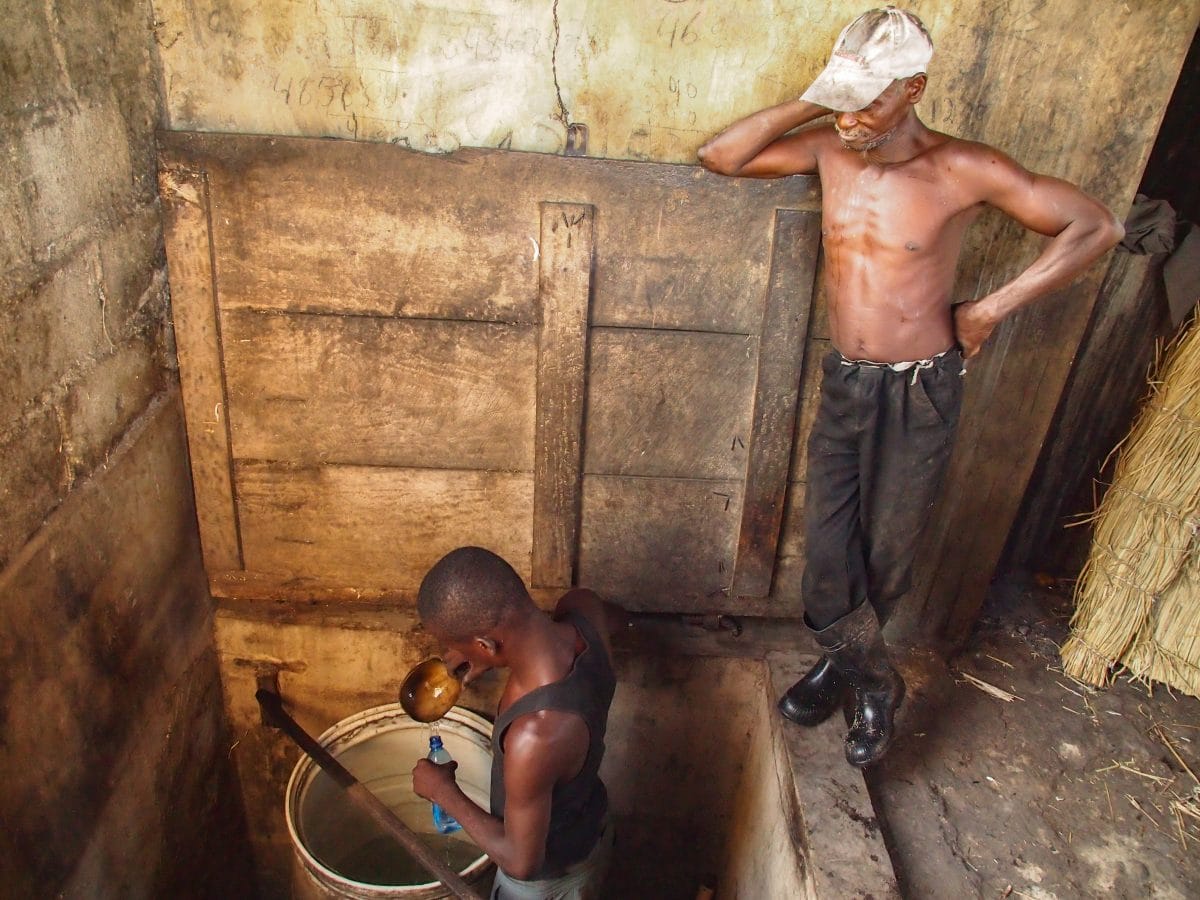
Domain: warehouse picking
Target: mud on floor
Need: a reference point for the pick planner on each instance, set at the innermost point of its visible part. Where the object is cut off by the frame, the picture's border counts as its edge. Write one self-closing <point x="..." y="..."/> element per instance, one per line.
<point x="1062" y="792"/>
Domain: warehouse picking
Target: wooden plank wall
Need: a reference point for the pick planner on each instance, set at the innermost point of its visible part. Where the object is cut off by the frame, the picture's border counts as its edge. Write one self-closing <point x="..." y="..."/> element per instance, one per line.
<point x="590" y="366"/>
<point x="1108" y="383"/>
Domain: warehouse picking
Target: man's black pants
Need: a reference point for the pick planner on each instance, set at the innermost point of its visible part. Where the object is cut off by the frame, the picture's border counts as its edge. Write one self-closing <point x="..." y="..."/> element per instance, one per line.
<point x="876" y="457"/>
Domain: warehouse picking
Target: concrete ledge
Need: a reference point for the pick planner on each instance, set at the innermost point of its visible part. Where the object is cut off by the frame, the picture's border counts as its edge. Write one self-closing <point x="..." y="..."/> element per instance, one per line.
<point x="844" y="852"/>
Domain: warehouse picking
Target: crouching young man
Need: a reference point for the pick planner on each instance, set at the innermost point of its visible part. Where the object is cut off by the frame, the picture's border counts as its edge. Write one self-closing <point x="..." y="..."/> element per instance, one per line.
<point x="547" y="829"/>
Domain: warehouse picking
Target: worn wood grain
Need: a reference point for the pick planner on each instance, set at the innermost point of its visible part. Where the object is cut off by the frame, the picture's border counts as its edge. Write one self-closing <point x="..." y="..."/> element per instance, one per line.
<point x="786" y="597"/>
<point x="376" y="528"/>
<point x="810" y="399"/>
<point x="356" y="228"/>
<point x="669" y="403"/>
<point x="780" y="357"/>
<point x="384" y="408"/>
<point x="660" y="543"/>
<point x="564" y="286"/>
<point x="186" y="222"/>
<point x="339" y="226"/>
<point x="374" y="391"/>
<point x="1109" y="378"/>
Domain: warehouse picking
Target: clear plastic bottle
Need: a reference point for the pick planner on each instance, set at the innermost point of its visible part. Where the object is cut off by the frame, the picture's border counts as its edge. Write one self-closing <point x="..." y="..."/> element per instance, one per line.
<point x="442" y="821"/>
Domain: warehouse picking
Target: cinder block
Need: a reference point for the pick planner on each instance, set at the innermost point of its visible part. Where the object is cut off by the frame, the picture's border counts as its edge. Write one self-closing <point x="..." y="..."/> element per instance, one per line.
<point x="14" y="220"/>
<point x="123" y="76"/>
<point x="109" y="398"/>
<point x="130" y="256"/>
<point x="77" y="168"/>
<point x="121" y="28"/>
<point x="46" y="331"/>
<point x="32" y="74"/>
<point x="34" y="481"/>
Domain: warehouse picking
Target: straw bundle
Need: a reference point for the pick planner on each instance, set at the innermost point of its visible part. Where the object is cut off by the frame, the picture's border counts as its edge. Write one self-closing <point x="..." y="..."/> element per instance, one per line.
<point x="1137" y="603"/>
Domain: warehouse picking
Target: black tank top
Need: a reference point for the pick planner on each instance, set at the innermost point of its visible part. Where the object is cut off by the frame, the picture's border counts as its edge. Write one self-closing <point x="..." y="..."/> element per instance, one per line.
<point x="577" y="807"/>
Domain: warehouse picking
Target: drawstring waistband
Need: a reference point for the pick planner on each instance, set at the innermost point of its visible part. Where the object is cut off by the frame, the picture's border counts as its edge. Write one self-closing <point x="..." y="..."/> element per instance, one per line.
<point x="916" y="365"/>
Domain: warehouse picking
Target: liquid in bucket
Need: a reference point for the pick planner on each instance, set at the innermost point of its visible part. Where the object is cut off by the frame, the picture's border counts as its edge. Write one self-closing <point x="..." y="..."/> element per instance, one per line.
<point x="381" y="861"/>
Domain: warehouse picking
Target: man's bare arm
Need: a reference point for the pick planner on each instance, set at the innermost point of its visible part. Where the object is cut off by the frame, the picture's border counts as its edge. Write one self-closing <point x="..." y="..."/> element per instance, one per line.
<point x="756" y="147"/>
<point x="539" y="750"/>
<point x="1082" y="230"/>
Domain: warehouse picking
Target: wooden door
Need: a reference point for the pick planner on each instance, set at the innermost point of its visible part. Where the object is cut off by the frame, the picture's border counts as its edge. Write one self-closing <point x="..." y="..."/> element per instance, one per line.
<point x="589" y="366"/>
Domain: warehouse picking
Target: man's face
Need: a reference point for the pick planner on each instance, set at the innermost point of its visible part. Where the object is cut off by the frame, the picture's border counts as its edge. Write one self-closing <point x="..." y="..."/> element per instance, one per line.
<point x="876" y="124"/>
<point x="467" y="659"/>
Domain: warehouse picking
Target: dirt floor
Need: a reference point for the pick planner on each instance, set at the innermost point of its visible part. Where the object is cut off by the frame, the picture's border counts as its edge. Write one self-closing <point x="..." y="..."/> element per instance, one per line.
<point x="1061" y="792"/>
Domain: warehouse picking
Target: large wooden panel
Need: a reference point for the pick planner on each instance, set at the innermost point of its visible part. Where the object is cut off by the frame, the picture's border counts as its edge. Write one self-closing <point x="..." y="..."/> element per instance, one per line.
<point x="660" y="543"/>
<point x="566" y="241"/>
<point x="409" y="364"/>
<point x="669" y="403"/>
<point x="186" y="209"/>
<point x="374" y="527"/>
<point x="375" y="391"/>
<point x="1013" y="387"/>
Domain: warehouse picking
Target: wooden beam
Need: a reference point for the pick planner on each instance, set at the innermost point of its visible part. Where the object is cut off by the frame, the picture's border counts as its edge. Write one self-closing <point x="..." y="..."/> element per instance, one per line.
<point x="564" y="287"/>
<point x="188" y="234"/>
<point x="780" y="357"/>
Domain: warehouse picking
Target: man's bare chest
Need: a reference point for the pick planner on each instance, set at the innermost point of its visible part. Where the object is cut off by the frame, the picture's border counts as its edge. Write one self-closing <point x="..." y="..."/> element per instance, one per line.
<point x="890" y="208"/>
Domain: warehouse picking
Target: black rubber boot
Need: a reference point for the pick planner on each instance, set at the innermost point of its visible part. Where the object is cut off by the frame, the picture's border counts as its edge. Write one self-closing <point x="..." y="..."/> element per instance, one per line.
<point x="856" y="648"/>
<point x="813" y="699"/>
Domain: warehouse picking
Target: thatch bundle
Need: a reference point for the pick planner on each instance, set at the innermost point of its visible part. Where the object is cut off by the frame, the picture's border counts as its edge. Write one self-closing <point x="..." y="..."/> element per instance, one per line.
<point x="1138" y="598"/>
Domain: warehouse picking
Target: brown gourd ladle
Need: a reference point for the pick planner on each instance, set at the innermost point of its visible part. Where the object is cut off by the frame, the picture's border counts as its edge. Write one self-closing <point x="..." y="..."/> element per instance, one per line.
<point x="431" y="689"/>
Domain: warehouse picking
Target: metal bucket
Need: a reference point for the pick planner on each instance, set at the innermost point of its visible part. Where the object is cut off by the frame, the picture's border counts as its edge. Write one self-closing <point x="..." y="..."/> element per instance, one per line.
<point x="338" y="851"/>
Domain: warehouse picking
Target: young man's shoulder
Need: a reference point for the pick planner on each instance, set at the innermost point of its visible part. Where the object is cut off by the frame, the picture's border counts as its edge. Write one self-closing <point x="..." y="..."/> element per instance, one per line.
<point x="581" y="600"/>
<point x="605" y="617"/>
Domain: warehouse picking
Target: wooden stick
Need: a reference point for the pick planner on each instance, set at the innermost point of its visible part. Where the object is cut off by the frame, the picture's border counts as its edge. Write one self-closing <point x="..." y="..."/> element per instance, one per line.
<point x="274" y="714"/>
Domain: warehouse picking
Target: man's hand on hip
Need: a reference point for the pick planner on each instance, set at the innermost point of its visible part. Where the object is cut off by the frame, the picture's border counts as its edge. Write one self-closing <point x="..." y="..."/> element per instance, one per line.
<point x="972" y="326"/>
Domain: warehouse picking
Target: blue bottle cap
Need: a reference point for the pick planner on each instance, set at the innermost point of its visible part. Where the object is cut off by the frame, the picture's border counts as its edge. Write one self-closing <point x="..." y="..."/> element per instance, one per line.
<point x="435" y="742"/>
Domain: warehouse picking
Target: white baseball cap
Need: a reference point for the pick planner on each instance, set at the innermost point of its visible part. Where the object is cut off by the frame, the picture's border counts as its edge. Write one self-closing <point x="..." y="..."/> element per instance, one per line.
<point x="871" y="52"/>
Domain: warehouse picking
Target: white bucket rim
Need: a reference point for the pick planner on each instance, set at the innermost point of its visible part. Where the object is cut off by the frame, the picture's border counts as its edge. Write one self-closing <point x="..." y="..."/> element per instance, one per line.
<point x="339" y="736"/>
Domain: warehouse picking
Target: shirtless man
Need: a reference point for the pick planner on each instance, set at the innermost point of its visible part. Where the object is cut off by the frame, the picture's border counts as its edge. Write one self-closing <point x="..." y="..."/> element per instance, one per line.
<point x="897" y="199"/>
<point x="547" y="829"/>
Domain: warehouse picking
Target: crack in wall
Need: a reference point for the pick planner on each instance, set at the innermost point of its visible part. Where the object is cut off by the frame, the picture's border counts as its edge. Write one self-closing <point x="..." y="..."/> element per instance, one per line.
<point x="562" y="116"/>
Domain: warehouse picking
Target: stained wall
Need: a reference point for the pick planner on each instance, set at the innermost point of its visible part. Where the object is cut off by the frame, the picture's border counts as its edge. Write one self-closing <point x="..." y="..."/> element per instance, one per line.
<point x="113" y="745"/>
<point x="1067" y="92"/>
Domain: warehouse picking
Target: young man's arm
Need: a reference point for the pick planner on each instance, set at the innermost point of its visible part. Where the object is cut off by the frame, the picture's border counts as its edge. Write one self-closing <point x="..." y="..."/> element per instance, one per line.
<point x="1082" y="230"/>
<point x="540" y="749"/>
<point x="756" y="147"/>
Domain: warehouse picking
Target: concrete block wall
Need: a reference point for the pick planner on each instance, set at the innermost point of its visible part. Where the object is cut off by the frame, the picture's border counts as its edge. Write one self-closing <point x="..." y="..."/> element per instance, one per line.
<point x="113" y="745"/>
<point x="82" y="278"/>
